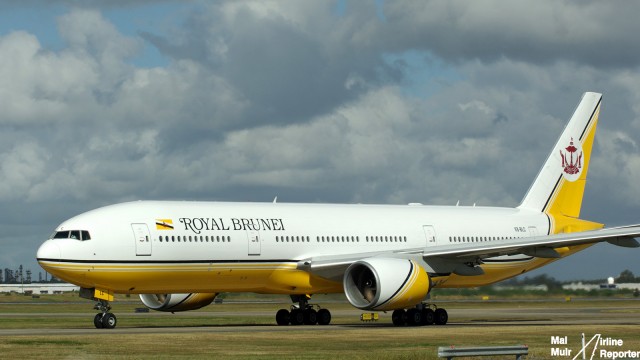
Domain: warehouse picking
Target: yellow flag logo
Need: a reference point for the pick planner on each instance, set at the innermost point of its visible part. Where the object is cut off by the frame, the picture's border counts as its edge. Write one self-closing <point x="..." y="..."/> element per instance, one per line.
<point x="164" y="224"/>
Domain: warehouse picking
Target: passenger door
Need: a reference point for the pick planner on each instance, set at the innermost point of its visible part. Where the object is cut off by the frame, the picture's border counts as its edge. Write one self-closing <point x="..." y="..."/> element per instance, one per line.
<point x="254" y="242"/>
<point x="142" y="239"/>
<point x="430" y="234"/>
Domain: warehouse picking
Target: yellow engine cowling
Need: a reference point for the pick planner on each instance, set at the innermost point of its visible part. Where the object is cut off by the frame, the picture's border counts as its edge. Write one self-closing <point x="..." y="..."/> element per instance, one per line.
<point x="177" y="302"/>
<point x="385" y="284"/>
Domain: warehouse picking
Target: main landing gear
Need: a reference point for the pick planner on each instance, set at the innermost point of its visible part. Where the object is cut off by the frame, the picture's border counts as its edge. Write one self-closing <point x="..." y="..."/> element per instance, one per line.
<point x="422" y="314"/>
<point x="104" y="319"/>
<point x="303" y="313"/>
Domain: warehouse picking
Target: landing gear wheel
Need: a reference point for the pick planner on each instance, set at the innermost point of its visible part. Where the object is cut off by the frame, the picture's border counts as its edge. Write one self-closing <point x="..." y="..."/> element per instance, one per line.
<point x="97" y="321"/>
<point x="282" y="317"/>
<point x="296" y="317"/>
<point x="441" y="316"/>
<point x="104" y="319"/>
<point x="428" y="317"/>
<point x="109" y="321"/>
<point x="310" y="317"/>
<point x="414" y="317"/>
<point x="324" y="317"/>
<point x="398" y="316"/>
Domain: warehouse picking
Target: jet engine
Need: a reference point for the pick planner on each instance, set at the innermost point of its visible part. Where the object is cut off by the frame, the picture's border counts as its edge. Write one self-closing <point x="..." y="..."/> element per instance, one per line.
<point x="177" y="302"/>
<point x="385" y="283"/>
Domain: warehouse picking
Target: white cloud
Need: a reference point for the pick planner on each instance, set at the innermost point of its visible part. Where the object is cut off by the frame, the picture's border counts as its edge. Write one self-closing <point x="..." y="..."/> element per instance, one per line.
<point x="39" y="86"/>
<point x="20" y="168"/>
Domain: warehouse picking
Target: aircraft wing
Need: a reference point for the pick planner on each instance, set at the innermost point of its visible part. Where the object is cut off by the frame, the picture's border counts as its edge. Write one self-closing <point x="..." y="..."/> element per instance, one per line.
<point x="538" y="246"/>
<point x="334" y="266"/>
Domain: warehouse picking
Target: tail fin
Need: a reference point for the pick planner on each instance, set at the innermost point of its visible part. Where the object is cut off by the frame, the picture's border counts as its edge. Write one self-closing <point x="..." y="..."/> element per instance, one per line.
<point x="559" y="186"/>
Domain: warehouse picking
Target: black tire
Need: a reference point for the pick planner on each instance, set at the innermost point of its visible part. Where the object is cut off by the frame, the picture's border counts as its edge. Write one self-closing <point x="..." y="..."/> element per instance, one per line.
<point x="398" y="316"/>
<point x="296" y="317"/>
<point x="282" y="317"/>
<point x="109" y="321"/>
<point x="428" y="317"/>
<point x="324" y="317"/>
<point x="310" y="317"/>
<point x="414" y="317"/>
<point x="441" y="316"/>
<point x="97" y="321"/>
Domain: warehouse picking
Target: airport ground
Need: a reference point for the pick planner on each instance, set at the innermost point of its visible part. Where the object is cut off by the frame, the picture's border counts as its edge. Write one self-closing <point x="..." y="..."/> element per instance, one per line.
<point x="60" y="327"/>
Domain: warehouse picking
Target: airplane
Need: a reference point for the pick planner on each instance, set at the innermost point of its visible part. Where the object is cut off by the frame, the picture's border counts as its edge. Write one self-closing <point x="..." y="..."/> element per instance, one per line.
<point x="177" y="256"/>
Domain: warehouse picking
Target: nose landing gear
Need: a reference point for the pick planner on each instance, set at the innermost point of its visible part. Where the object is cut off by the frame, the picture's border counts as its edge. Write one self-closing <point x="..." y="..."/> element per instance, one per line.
<point x="104" y="319"/>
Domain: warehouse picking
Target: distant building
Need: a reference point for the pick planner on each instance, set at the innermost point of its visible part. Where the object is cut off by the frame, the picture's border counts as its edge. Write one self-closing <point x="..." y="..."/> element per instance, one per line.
<point x="607" y="286"/>
<point x="39" y="288"/>
<point x="580" y="286"/>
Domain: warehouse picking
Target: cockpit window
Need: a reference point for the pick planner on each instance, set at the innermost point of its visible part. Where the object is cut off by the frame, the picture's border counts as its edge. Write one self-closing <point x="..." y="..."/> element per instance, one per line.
<point x="81" y="235"/>
<point x="61" y="235"/>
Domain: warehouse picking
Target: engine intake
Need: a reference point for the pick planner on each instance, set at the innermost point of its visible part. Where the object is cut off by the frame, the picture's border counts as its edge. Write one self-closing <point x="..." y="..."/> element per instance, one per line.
<point x="385" y="284"/>
<point x="177" y="302"/>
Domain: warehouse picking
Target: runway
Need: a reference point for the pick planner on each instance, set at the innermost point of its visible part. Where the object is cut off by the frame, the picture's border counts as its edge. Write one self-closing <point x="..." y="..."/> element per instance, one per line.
<point x="479" y="314"/>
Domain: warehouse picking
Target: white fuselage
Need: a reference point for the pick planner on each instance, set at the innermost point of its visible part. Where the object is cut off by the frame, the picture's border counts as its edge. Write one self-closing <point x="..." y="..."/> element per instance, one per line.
<point x="196" y="239"/>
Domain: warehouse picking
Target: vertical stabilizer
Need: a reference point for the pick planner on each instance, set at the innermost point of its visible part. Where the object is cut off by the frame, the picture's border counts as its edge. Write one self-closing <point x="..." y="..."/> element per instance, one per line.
<point x="559" y="186"/>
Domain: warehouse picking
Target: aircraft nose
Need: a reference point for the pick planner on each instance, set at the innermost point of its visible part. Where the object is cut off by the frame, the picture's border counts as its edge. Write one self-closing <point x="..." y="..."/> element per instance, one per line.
<point x="49" y="250"/>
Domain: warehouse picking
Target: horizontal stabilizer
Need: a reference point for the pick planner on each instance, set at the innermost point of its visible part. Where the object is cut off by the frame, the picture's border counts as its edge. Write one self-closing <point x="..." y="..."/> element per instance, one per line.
<point x="625" y="242"/>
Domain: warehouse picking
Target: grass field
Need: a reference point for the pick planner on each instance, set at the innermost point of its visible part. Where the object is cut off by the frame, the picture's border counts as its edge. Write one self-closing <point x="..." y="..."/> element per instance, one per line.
<point x="238" y="329"/>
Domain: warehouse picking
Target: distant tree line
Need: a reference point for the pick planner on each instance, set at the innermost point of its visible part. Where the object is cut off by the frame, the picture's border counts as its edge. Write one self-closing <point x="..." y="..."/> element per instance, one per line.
<point x="24" y="276"/>
<point x="625" y="276"/>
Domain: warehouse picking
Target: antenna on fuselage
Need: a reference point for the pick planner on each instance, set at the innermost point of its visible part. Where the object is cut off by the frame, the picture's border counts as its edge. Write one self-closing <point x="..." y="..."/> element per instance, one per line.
<point x="275" y="199"/>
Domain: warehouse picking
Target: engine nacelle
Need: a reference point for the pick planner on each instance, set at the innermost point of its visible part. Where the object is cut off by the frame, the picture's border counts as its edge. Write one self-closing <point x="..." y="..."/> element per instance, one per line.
<point x="385" y="284"/>
<point x="177" y="302"/>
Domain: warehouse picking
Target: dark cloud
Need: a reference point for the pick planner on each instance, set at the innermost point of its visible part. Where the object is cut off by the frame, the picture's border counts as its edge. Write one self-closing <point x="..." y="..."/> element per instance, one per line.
<point x="590" y="32"/>
<point x="284" y="71"/>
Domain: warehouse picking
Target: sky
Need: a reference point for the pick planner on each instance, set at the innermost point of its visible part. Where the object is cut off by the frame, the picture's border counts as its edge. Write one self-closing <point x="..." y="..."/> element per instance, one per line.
<point x="385" y="102"/>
